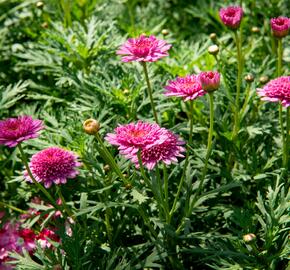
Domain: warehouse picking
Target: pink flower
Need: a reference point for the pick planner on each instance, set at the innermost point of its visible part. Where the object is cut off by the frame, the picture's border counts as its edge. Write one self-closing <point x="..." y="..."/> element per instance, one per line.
<point x="143" y="49"/>
<point x="277" y="90"/>
<point x="167" y="151"/>
<point x="231" y="16"/>
<point x="280" y="26"/>
<point x="188" y="88"/>
<point x="16" y="130"/>
<point x="14" y="238"/>
<point x="132" y="137"/>
<point x="53" y="165"/>
<point x="154" y="143"/>
<point x="46" y="236"/>
<point x="210" y="80"/>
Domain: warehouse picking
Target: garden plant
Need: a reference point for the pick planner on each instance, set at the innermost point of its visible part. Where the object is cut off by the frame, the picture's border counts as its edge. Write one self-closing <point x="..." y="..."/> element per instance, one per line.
<point x="138" y="134"/>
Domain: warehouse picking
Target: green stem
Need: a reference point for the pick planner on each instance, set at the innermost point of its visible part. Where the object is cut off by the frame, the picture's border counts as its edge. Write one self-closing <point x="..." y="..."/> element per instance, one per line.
<point x="109" y="158"/>
<point x="282" y="134"/>
<point x="239" y="81"/>
<point x="146" y="179"/>
<point x="286" y="149"/>
<point x="248" y="90"/>
<point x="149" y="91"/>
<point x="165" y="175"/>
<point x="186" y="161"/>
<point x="280" y="55"/>
<point x="38" y="185"/>
<point x="13" y="207"/>
<point x="108" y="225"/>
<point x="63" y="203"/>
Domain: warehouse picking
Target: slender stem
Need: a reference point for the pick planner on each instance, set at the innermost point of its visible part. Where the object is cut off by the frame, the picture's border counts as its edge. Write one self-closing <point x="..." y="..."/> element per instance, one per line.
<point x="146" y="179"/>
<point x="63" y="203"/>
<point x="280" y="55"/>
<point x="286" y="149"/>
<point x="165" y="176"/>
<point x="186" y="160"/>
<point x="239" y="81"/>
<point x="248" y="90"/>
<point x="109" y="158"/>
<point x="108" y="225"/>
<point x="150" y="91"/>
<point x="13" y="207"/>
<point x="208" y="151"/>
<point x="39" y="186"/>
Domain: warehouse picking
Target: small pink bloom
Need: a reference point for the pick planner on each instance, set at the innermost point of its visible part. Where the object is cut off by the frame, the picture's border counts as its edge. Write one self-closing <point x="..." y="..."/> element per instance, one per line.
<point x="154" y="143"/>
<point x="280" y="26"/>
<point x="210" y="80"/>
<point x="276" y="90"/>
<point x="16" y="130"/>
<point x="231" y="16"/>
<point x="143" y="49"/>
<point x="53" y="165"/>
<point x="46" y="236"/>
<point x="188" y="88"/>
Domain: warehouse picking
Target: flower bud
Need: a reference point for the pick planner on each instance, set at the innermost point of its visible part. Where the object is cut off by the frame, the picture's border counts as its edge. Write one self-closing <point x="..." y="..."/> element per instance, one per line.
<point x="249" y="78"/>
<point x="91" y="126"/>
<point x="255" y="29"/>
<point x="39" y="4"/>
<point x="165" y="32"/>
<point x="107" y="168"/>
<point x="44" y="25"/>
<point x="231" y="16"/>
<point x="126" y="91"/>
<point x="264" y="79"/>
<point x="210" y="80"/>
<point x="280" y="26"/>
<point x="249" y="237"/>
<point x="128" y="186"/>
<point x="212" y="36"/>
<point x="213" y="49"/>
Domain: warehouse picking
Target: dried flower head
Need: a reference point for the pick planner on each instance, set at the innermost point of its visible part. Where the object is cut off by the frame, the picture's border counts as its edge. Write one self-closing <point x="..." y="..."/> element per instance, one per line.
<point x="91" y="126"/>
<point x="53" y="165"/>
<point x="154" y="143"/>
<point x="143" y="49"/>
<point x="188" y="88"/>
<point x="16" y="130"/>
<point x="210" y="80"/>
<point x="255" y="29"/>
<point x="280" y="26"/>
<point x="277" y="90"/>
<point x="231" y="16"/>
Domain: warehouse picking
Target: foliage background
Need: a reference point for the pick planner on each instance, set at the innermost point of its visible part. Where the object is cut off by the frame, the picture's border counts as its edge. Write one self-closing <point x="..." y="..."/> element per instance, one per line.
<point x="58" y="63"/>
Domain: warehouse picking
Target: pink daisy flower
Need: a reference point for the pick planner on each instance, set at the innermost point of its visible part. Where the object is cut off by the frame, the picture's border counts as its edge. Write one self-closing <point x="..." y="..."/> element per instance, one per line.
<point x="167" y="151"/>
<point x="280" y="26"/>
<point x="276" y="90"/>
<point x="155" y="143"/>
<point x="210" y="80"/>
<point x="53" y="165"/>
<point x="188" y="87"/>
<point x="16" y="130"/>
<point x="132" y="137"/>
<point x="143" y="49"/>
<point x="231" y="16"/>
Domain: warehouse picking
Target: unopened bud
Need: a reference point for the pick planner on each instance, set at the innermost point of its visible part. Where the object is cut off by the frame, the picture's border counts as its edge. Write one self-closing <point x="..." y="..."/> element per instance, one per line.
<point x="264" y="79"/>
<point x="255" y="29"/>
<point x="39" y="4"/>
<point x="249" y="237"/>
<point x="165" y="32"/>
<point x="44" y="25"/>
<point x="91" y="126"/>
<point x="107" y="168"/>
<point x="213" y="49"/>
<point x="128" y="186"/>
<point x="212" y="36"/>
<point x="249" y="78"/>
<point x="126" y="91"/>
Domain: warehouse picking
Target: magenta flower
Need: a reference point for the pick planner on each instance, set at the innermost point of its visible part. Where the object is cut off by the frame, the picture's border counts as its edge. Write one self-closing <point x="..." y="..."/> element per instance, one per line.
<point x="188" y="88"/>
<point x="16" y="130"/>
<point x="210" y="80"/>
<point x="53" y="165"/>
<point x="231" y="16"/>
<point x="154" y="143"/>
<point x="167" y="151"/>
<point x="132" y="137"/>
<point x="277" y="90"/>
<point x="14" y="238"/>
<point x="280" y="26"/>
<point x="45" y="238"/>
<point x="143" y="49"/>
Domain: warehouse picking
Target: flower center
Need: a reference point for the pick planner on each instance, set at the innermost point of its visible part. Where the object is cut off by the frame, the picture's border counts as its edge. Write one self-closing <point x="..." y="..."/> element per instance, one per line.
<point x="20" y="241"/>
<point x="280" y="22"/>
<point x="210" y="75"/>
<point x="231" y="13"/>
<point x="137" y="133"/>
<point x="142" y="48"/>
